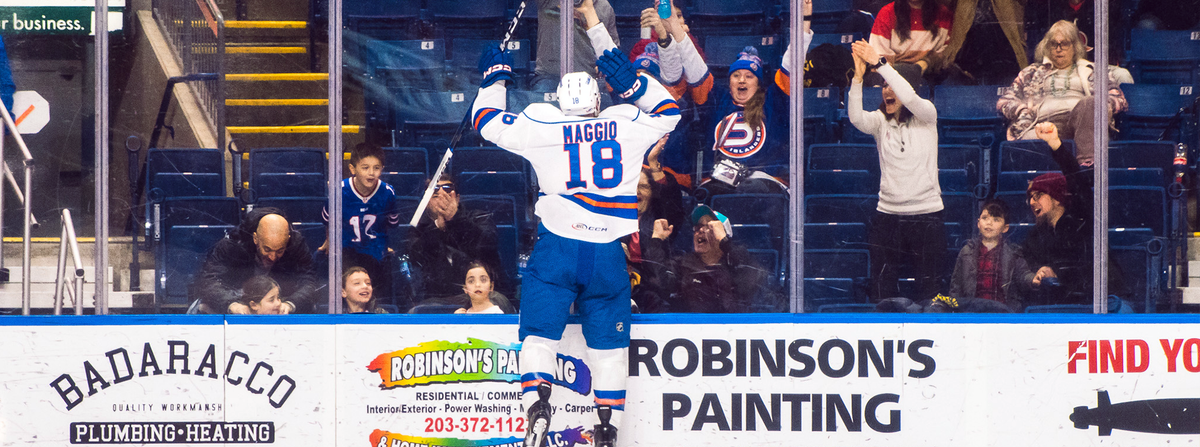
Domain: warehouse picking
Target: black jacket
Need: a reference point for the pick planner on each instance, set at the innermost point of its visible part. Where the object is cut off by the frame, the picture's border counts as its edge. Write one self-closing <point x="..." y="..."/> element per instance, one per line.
<point x="733" y="285"/>
<point x="234" y="260"/>
<point x="441" y="256"/>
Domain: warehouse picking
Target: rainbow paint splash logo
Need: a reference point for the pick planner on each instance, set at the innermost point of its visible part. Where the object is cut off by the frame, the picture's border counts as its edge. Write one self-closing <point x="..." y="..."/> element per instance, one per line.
<point x="448" y="362"/>
<point x="476" y="360"/>
<point x="569" y="437"/>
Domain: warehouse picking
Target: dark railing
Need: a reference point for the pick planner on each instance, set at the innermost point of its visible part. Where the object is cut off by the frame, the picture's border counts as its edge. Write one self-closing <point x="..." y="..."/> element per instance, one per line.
<point x="196" y="29"/>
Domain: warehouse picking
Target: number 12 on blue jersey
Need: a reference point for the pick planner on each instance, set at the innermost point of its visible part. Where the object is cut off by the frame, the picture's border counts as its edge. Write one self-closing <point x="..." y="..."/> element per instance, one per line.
<point x="600" y="164"/>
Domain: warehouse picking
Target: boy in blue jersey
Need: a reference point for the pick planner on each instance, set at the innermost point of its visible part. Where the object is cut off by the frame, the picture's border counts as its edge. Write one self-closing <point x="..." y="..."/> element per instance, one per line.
<point x="588" y="165"/>
<point x="368" y="211"/>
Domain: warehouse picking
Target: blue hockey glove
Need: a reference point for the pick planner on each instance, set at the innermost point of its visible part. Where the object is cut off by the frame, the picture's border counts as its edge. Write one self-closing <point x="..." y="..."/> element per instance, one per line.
<point x="496" y="65"/>
<point x="619" y="72"/>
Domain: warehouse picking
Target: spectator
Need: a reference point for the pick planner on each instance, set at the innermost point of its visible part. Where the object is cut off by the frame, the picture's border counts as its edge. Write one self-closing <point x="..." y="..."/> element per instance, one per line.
<point x="1058" y="90"/>
<point x="978" y="36"/>
<point x="907" y="224"/>
<point x="718" y="276"/>
<point x="912" y="35"/>
<point x="357" y="292"/>
<point x="261" y="295"/>
<point x="659" y="196"/>
<point x="446" y="239"/>
<point x="547" y="69"/>
<point x="368" y="211"/>
<point x="263" y="245"/>
<point x="480" y="290"/>
<point x="1060" y="244"/>
<point x="748" y="121"/>
<point x="988" y="268"/>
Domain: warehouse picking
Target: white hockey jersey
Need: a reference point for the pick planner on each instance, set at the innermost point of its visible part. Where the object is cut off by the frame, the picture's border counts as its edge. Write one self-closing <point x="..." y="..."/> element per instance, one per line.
<point x="587" y="167"/>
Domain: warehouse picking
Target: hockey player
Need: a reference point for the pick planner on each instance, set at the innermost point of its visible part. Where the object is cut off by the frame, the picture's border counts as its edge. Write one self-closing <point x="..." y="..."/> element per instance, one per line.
<point x="588" y="165"/>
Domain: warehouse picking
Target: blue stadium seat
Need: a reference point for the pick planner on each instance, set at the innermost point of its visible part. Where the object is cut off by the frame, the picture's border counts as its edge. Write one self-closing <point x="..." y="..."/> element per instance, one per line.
<point x="768" y="260"/>
<point x="184" y="172"/>
<point x="1141" y="264"/>
<point x="1142" y="154"/>
<point x="967" y="114"/>
<point x="828" y="14"/>
<point x="820" y="115"/>
<point x="1026" y="155"/>
<point x="518" y="100"/>
<point x="850" y="208"/>
<point x="720" y="50"/>
<point x="1152" y="108"/>
<point x="1017" y="180"/>
<point x="290" y="184"/>
<point x="961" y="208"/>
<point x="1138" y="207"/>
<point x="1018" y="206"/>
<point x="407" y="63"/>
<point x="464" y="59"/>
<point x="487" y="159"/>
<point x="434" y="308"/>
<point x="406" y="159"/>
<point x="1137" y="177"/>
<point x="406" y="183"/>
<point x="1164" y="57"/>
<point x="407" y="206"/>
<point x="840" y="39"/>
<point x="430" y="118"/>
<point x="754" y="236"/>
<point x="183" y="254"/>
<point x="763" y="209"/>
<point x="955" y="180"/>
<point x="379" y="19"/>
<point x="729" y="16"/>
<point x="962" y="156"/>
<point x="846" y="308"/>
<point x="314" y="234"/>
<point x="297" y="209"/>
<point x="513" y="184"/>
<point x="819" y="236"/>
<point x="828" y="157"/>
<point x="1018" y="231"/>
<point x="841" y="182"/>
<point x="287" y="160"/>
<point x="186" y="229"/>
<point x="184" y="160"/>
<point x="835" y="277"/>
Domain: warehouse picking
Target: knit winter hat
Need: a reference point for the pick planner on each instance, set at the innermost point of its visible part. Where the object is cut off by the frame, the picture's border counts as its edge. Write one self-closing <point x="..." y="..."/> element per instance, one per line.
<point x="704" y="210"/>
<point x="1052" y="184"/>
<point x="748" y="60"/>
<point x="647" y="59"/>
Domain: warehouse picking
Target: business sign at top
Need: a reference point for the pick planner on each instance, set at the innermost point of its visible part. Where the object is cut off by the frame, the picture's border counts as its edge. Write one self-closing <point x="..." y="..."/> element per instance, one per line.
<point x="55" y="17"/>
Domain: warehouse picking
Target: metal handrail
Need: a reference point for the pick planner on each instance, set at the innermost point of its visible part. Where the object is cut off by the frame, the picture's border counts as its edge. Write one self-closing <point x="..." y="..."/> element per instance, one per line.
<point x="196" y="29"/>
<point x="68" y="242"/>
<point x="26" y="263"/>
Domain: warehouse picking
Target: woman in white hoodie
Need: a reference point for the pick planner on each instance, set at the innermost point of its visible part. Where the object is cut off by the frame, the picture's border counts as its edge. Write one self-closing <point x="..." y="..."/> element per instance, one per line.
<point x="907" y="227"/>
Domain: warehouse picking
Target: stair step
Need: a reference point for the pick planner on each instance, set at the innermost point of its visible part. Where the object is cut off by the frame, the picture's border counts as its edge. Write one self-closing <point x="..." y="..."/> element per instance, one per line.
<point x="277" y="77"/>
<point x="276" y="102"/>
<point x="266" y="24"/>
<point x="1191" y="295"/>
<point x="291" y="129"/>
<point x="265" y="50"/>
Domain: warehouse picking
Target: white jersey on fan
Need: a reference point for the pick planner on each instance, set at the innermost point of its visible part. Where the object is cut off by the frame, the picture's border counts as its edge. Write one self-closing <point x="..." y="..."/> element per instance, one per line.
<point x="587" y="167"/>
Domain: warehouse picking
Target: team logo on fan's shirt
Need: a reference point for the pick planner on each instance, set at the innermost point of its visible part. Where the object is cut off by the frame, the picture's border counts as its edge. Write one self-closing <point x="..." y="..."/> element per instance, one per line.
<point x="736" y="139"/>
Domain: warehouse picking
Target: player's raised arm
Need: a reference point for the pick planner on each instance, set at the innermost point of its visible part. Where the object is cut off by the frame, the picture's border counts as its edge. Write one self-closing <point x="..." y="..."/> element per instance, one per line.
<point x="496" y="66"/>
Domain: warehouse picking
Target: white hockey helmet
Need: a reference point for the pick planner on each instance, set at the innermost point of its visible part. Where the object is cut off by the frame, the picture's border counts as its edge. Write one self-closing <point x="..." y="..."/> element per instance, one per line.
<point x="578" y="94"/>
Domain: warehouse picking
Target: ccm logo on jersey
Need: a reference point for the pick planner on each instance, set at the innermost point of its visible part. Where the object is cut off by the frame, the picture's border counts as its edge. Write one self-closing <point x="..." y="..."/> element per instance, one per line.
<point x="497" y="67"/>
<point x="585" y="227"/>
<point x="739" y="140"/>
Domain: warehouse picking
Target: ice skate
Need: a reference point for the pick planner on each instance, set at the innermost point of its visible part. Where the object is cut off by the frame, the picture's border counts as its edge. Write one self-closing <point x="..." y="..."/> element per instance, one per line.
<point x="605" y="435"/>
<point x="538" y="418"/>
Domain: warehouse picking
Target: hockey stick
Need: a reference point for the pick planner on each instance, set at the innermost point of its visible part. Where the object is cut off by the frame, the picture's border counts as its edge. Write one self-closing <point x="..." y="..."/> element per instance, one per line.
<point x="462" y="126"/>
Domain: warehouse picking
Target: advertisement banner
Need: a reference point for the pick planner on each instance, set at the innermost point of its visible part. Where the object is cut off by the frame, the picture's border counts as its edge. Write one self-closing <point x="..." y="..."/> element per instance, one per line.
<point x="406" y="381"/>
